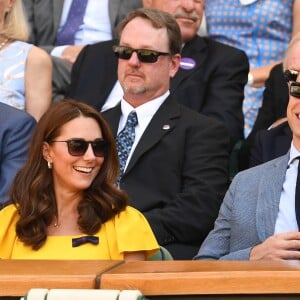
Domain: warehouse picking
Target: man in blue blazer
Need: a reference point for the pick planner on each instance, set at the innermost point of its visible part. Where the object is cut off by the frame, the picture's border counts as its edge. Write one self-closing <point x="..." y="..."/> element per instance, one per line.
<point x="177" y="169"/>
<point x="210" y="80"/>
<point x="15" y="132"/>
<point x="258" y="218"/>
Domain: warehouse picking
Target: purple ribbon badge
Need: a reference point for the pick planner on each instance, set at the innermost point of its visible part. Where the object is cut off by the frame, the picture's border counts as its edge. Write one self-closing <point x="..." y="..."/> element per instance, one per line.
<point x="187" y="63"/>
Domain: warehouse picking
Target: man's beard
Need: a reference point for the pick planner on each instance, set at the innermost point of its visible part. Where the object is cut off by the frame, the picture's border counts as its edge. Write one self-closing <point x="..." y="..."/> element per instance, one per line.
<point x="134" y="90"/>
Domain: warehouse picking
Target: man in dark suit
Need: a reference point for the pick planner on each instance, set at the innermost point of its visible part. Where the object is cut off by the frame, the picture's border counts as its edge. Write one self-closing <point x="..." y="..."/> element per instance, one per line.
<point x="44" y="17"/>
<point x="274" y="105"/>
<point x="176" y="172"/>
<point x="15" y="132"/>
<point x="210" y="80"/>
<point x="270" y="144"/>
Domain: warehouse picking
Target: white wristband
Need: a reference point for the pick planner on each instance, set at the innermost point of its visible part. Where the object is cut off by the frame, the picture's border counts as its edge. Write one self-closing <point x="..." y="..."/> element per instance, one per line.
<point x="250" y="79"/>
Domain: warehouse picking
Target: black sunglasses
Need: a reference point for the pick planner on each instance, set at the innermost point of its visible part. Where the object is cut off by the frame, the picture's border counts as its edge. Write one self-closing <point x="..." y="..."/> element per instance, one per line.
<point x="295" y="89"/>
<point x="290" y="75"/>
<point x="78" y="147"/>
<point x="144" y="55"/>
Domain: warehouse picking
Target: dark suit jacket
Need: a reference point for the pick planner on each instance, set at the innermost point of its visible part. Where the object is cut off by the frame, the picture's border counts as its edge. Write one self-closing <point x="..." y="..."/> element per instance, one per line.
<point x="215" y="86"/>
<point x="270" y="144"/>
<point x="178" y="175"/>
<point x="15" y="132"/>
<point x="275" y="101"/>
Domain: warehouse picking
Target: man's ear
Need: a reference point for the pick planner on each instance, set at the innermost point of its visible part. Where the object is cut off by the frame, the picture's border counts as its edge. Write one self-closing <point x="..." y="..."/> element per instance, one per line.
<point x="174" y="64"/>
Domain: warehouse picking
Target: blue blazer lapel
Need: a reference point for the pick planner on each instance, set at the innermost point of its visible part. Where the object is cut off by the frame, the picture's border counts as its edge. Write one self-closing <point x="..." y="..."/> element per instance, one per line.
<point x="269" y="196"/>
<point x="162" y="123"/>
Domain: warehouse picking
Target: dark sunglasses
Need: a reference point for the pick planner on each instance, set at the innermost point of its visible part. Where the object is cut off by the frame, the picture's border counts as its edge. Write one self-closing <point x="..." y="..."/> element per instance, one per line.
<point x="144" y="55"/>
<point x="295" y="89"/>
<point x="290" y="75"/>
<point x="78" y="147"/>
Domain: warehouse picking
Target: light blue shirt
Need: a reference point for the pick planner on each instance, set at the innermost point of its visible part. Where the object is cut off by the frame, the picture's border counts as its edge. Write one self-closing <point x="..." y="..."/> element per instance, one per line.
<point x="286" y="218"/>
<point x="96" y="25"/>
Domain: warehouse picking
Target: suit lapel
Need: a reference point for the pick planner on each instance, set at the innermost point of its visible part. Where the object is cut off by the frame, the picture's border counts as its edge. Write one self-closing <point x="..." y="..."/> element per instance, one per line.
<point x="113" y="7"/>
<point x="196" y="50"/>
<point x="161" y="124"/>
<point x="269" y="198"/>
<point x="57" y="12"/>
<point x="112" y="116"/>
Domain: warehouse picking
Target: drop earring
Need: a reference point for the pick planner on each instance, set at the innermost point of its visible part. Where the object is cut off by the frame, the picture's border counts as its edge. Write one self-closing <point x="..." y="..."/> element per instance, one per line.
<point x="49" y="164"/>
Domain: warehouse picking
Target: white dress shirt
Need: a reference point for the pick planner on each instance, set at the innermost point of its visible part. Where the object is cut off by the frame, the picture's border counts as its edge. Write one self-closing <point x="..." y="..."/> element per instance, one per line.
<point x="145" y="113"/>
<point x="286" y="218"/>
<point x="95" y="28"/>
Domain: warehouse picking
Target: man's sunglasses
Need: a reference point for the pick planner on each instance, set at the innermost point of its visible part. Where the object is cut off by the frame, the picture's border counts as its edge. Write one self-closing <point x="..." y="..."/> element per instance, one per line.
<point x="78" y="147"/>
<point x="290" y="75"/>
<point x="144" y="55"/>
<point x="295" y="89"/>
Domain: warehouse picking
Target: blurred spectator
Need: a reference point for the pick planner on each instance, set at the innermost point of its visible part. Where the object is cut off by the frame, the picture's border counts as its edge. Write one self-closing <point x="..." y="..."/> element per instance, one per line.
<point x="263" y="29"/>
<point x="48" y="18"/>
<point x="25" y="70"/>
<point x="15" y="132"/>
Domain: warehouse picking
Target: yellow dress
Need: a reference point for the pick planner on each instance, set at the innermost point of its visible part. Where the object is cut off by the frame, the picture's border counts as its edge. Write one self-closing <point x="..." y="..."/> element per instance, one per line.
<point x="126" y="232"/>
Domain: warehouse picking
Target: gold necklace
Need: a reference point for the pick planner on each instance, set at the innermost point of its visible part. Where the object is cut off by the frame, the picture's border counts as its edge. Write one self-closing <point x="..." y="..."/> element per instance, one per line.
<point x="2" y="44"/>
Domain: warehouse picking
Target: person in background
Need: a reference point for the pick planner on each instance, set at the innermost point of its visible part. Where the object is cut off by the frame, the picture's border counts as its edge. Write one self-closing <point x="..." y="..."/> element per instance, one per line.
<point x="51" y="23"/>
<point x="272" y="110"/>
<point x="260" y="215"/>
<point x="174" y="161"/>
<point x="210" y="79"/>
<point x="15" y="132"/>
<point x="263" y="29"/>
<point x="64" y="196"/>
<point x="25" y="70"/>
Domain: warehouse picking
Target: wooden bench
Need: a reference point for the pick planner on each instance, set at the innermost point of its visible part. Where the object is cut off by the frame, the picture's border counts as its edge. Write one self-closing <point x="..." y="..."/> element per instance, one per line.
<point x="205" y="277"/>
<point x="18" y="276"/>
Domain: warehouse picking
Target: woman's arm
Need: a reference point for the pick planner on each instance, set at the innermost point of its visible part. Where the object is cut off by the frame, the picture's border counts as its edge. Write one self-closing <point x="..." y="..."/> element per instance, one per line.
<point x="38" y="82"/>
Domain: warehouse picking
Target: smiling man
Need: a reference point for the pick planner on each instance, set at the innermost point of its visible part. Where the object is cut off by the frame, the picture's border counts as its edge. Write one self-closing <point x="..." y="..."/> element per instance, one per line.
<point x="260" y="215"/>
<point x="173" y="159"/>
<point x="210" y="79"/>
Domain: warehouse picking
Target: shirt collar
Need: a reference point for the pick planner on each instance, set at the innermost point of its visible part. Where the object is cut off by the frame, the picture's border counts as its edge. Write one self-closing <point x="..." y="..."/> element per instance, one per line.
<point x="146" y="110"/>
<point x="294" y="153"/>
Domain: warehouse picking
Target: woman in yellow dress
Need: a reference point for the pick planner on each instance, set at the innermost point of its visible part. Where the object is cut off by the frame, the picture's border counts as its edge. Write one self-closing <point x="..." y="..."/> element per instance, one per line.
<point x="64" y="203"/>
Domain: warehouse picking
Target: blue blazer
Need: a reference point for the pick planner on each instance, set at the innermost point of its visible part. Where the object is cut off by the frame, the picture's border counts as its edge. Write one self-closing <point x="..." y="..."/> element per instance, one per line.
<point x="248" y="213"/>
<point x="15" y="132"/>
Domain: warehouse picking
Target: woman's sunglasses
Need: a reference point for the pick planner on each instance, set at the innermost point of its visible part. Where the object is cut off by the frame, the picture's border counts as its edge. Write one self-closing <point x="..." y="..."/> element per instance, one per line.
<point x="144" y="55"/>
<point x="78" y="147"/>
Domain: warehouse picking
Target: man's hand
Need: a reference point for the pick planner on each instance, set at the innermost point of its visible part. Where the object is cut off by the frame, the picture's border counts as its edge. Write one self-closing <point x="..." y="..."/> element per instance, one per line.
<point x="70" y="53"/>
<point x="278" y="247"/>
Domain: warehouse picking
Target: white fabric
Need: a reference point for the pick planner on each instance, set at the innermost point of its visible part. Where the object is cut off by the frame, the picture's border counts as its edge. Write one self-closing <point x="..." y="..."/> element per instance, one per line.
<point x="95" y="28"/>
<point x="79" y="294"/>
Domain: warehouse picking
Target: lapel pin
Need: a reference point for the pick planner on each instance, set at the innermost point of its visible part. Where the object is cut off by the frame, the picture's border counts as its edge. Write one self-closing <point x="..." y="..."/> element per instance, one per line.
<point x="187" y="63"/>
<point x="166" y="127"/>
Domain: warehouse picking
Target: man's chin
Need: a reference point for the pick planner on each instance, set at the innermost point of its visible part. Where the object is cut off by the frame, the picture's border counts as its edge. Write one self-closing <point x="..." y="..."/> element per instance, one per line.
<point x="134" y="90"/>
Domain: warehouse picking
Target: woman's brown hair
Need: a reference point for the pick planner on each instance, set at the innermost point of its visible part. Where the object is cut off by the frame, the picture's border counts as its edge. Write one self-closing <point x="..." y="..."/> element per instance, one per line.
<point x="33" y="192"/>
